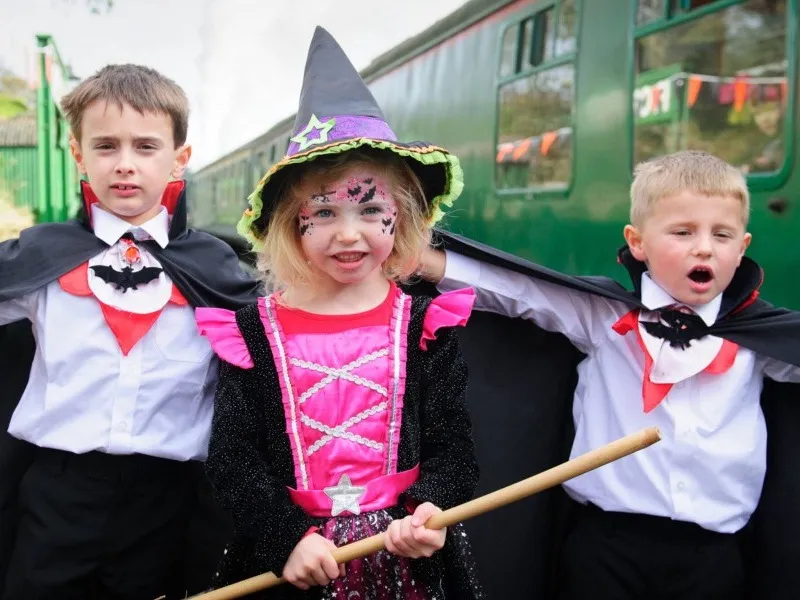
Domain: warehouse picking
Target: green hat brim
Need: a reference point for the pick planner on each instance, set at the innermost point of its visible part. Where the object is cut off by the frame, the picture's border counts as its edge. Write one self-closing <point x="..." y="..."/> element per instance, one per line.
<point x="439" y="171"/>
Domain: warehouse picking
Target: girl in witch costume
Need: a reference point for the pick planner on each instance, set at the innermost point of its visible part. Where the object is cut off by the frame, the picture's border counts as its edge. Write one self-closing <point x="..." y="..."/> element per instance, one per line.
<point x="340" y="410"/>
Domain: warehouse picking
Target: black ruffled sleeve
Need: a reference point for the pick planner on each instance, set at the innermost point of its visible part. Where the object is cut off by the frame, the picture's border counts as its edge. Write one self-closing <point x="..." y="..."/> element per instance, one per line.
<point x="243" y="481"/>
<point x="448" y="467"/>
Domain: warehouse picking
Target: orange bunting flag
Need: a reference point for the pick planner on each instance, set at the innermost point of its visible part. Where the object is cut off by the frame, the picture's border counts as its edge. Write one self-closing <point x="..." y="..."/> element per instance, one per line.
<point x="520" y="150"/>
<point x="548" y="137"/>
<point x="695" y="83"/>
<point x="740" y="88"/>
<point x="502" y="150"/>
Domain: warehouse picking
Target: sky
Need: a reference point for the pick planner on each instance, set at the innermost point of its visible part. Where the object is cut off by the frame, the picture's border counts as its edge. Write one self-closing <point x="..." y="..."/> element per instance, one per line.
<point x="239" y="61"/>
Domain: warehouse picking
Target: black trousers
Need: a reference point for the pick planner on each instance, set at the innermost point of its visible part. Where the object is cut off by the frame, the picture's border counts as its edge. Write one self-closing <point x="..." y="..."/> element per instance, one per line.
<point x="621" y="556"/>
<point x="100" y="526"/>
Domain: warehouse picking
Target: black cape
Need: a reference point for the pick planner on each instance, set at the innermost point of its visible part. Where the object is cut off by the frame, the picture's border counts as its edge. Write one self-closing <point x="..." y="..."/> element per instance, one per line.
<point x="205" y="270"/>
<point x="521" y="385"/>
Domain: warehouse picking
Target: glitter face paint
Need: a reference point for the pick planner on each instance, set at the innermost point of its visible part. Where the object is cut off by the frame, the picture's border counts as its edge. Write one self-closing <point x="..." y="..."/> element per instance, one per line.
<point x="347" y="230"/>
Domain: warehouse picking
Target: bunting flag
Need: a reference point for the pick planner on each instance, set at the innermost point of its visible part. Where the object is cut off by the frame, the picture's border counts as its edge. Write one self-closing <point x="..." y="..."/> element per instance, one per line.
<point x="740" y="88"/>
<point x="548" y="138"/>
<point x="695" y="83"/>
<point x="522" y="149"/>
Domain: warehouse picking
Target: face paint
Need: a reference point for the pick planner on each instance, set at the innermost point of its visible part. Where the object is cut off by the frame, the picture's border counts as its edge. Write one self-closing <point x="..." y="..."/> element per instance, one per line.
<point x="305" y="223"/>
<point x="362" y="190"/>
<point x="389" y="223"/>
<point x="347" y="228"/>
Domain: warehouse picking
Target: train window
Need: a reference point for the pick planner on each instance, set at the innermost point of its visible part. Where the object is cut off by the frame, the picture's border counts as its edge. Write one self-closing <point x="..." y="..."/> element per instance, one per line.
<point x="508" y="52"/>
<point x="272" y="154"/>
<point x="534" y="145"/>
<point x="542" y="45"/>
<point x="548" y="34"/>
<point x="717" y="82"/>
<point x="535" y="102"/>
<point x="567" y="36"/>
<point x="529" y="51"/>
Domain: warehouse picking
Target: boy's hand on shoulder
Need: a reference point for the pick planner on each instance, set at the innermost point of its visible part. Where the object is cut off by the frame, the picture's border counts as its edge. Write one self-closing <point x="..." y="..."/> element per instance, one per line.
<point x="409" y="537"/>
<point x="311" y="563"/>
<point x="432" y="265"/>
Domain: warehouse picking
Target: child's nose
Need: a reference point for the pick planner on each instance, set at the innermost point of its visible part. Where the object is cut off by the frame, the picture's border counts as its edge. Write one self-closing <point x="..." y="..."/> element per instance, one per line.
<point x="348" y="232"/>
<point x="703" y="245"/>
<point x="125" y="162"/>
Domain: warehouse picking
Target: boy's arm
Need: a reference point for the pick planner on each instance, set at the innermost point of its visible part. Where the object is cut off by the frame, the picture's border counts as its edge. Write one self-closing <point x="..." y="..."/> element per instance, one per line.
<point x="780" y="371"/>
<point x="582" y="318"/>
<point x="17" y="309"/>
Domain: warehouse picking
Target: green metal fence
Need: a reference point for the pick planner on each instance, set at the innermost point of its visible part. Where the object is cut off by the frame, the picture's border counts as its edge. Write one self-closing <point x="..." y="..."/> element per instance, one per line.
<point x="36" y="169"/>
<point x="19" y="176"/>
<point x="57" y="189"/>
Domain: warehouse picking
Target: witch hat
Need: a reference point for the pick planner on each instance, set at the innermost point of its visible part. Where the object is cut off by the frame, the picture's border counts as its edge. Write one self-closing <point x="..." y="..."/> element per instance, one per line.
<point x="337" y="113"/>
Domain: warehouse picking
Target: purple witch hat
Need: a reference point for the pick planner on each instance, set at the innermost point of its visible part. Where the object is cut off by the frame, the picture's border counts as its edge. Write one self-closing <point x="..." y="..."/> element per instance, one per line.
<point x="337" y="112"/>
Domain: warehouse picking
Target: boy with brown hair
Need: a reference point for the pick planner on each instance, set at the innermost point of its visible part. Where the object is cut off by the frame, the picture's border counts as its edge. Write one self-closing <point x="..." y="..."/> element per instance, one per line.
<point x="693" y="343"/>
<point x="120" y="396"/>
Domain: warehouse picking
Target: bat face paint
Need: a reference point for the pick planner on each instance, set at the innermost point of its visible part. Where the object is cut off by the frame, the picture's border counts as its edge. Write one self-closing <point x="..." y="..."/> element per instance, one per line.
<point x="347" y="229"/>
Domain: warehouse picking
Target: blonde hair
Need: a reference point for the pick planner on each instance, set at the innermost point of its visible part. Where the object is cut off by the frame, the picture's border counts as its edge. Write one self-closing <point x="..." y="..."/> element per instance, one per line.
<point x="692" y="170"/>
<point x="282" y="262"/>
<point x="142" y="88"/>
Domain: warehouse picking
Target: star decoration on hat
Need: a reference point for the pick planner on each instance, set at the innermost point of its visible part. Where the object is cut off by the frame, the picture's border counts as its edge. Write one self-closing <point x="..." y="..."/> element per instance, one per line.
<point x="314" y="124"/>
<point x="345" y="496"/>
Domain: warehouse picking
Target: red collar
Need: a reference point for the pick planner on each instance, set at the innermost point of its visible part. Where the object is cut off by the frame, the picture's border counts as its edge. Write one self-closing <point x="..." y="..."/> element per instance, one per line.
<point x="169" y="198"/>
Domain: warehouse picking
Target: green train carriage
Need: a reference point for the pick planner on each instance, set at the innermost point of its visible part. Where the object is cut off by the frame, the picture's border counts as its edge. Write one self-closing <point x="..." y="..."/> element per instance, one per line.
<point x="550" y="104"/>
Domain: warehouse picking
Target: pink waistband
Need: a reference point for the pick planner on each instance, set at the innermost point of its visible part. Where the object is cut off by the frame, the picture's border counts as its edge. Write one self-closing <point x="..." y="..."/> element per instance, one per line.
<point x="353" y="498"/>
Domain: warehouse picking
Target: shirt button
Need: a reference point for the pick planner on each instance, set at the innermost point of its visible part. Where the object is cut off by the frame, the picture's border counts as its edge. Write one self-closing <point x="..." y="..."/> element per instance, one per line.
<point x="681" y="486"/>
<point x="122" y="426"/>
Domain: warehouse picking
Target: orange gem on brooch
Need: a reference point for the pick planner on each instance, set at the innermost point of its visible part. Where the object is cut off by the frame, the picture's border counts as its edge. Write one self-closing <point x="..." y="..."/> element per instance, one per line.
<point x="132" y="255"/>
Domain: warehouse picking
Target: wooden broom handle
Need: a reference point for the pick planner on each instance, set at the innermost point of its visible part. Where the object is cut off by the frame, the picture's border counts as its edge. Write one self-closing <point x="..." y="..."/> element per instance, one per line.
<point x="447" y="518"/>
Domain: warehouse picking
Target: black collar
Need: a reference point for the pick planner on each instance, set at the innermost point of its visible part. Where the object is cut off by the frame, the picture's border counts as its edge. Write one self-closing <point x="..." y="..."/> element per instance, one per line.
<point x="745" y="283"/>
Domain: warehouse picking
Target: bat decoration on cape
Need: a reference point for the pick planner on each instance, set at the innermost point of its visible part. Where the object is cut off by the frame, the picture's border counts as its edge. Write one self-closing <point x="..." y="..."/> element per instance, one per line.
<point x="127" y="278"/>
<point x="678" y="328"/>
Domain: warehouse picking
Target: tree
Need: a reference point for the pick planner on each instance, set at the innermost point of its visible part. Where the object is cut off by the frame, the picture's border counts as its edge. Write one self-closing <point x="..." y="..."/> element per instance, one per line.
<point x="15" y="94"/>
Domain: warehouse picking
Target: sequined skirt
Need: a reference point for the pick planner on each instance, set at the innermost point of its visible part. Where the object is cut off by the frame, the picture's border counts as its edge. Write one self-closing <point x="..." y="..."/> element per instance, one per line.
<point x="380" y="576"/>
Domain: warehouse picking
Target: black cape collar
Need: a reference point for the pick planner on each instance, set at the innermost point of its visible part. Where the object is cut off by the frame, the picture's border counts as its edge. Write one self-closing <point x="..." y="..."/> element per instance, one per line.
<point x="205" y="269"/>
<point x="744" y="319"/>
<point x="742" y="289"/>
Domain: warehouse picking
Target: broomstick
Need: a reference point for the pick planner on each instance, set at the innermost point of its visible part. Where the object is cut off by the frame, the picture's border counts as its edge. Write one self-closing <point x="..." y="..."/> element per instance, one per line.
<point x="507" y="495"/>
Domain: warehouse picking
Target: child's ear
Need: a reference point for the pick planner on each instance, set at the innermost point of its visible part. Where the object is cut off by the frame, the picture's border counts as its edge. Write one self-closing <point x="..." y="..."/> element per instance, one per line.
<point x="748" y="237"/>
<point x="634" y="240"/>
<point x="77" y="154"/>
<point x="184" y="153"/>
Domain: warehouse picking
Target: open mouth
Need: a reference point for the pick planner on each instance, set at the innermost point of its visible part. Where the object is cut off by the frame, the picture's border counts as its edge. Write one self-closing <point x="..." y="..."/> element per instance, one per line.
<point x="125" y="187"/>
<point x="349" y="257"/>
<point x="701" y="275"/>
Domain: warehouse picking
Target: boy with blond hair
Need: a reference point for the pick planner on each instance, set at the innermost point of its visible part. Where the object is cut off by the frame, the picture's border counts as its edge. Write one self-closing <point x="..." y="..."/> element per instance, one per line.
<point x="686" y="351"/>
<point x="119" y="401"/>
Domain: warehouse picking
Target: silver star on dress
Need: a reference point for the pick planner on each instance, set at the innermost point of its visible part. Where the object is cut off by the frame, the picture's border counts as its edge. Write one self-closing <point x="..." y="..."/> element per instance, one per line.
<point x="314" y="124"/>
<point x="345" y="496"/>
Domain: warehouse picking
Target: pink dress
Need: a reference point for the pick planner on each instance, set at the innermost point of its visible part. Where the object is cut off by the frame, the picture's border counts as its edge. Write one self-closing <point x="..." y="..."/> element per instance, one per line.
<point x="343" y="380"/>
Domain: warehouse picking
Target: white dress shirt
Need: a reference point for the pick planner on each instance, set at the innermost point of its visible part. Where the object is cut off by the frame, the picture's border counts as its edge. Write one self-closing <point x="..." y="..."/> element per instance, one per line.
<point x="709" y="467"/>
<point x="84" y="394"/>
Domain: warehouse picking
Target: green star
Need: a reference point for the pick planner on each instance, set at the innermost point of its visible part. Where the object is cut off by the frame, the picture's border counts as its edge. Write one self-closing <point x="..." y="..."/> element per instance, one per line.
<point x="314" y="124"/>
